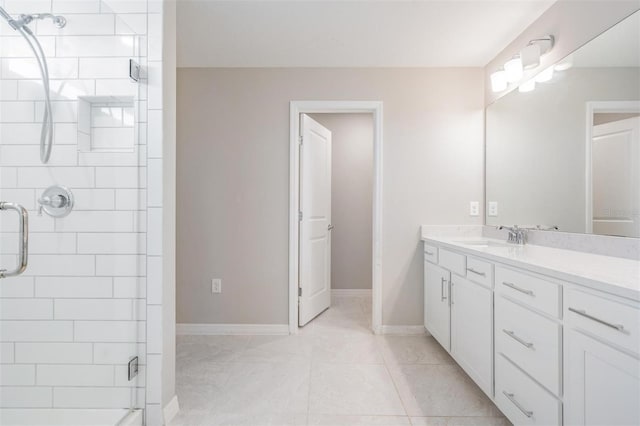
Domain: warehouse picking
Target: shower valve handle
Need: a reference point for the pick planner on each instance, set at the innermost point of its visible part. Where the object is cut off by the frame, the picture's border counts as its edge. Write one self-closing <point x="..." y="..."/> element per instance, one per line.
<point x="56" y="201"/>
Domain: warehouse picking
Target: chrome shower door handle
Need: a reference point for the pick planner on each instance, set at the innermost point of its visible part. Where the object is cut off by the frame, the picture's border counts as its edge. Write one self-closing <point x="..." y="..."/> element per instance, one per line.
<point x="23" y="243"/>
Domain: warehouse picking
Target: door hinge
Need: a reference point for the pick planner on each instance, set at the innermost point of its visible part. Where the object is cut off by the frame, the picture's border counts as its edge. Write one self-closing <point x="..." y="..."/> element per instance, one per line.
<point x="299" y="291"/>
<point x="299" y="216"/>
<point x="300" y="139"/>
<point x="132" y="370"/>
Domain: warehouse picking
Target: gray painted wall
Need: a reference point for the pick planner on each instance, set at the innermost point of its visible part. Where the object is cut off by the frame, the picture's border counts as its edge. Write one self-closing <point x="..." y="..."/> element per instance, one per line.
<point x="233" y="179"/>
<point x="351" y="199"/>
<point x="610" y="117"/>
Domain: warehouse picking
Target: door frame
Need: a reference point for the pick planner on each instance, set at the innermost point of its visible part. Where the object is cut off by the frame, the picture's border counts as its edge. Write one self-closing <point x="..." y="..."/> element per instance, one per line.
<point x="340" y="107"/>
<point x="594" y="108"/>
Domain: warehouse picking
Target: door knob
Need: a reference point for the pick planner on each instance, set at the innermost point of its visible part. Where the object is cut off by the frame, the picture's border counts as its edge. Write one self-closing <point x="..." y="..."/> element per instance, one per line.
<point x="330" y="228"/>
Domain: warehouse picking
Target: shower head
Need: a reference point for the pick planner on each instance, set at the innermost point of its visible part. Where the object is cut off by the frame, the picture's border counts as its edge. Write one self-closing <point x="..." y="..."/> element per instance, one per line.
<point x="59" y="21"/>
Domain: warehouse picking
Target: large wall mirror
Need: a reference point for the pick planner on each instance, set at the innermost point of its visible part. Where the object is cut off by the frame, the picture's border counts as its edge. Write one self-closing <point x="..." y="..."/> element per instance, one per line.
<point x="567" y="154"/>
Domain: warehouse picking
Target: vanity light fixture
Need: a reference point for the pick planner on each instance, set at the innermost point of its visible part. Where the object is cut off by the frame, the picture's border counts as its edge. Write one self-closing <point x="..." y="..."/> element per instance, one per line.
<point x="545" y="75"/>
<point x="532" y="52"/>
<point x="565" y="64"/>
<point x="527" y="86"/>
<point x="529" y="58"/>
<point x="513" y="69"/>
<point x="499" y="81"/>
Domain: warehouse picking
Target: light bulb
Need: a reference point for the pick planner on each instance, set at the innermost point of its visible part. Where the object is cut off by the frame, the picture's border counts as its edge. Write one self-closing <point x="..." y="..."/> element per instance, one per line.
<point x="513" y="70"/>
<point x="565" y="64"/>
<point x="530" y="56"/>
<point x="545" y="75"/>
<point x="527" y="86"/>
<point x="498" y="81"/>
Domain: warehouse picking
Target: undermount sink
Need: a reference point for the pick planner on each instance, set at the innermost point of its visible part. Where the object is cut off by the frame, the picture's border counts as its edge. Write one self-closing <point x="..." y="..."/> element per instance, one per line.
<point x="482" y="243"/>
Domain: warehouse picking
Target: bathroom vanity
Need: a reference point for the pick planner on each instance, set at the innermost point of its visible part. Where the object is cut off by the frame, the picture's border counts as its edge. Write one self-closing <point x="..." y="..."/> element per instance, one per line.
<point x="552" y="336"/>
<point x="550" y="330"/>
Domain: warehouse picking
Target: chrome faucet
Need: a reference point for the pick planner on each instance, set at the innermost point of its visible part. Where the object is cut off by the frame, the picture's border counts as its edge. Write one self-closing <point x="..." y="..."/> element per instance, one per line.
<point x="517" y="235"/>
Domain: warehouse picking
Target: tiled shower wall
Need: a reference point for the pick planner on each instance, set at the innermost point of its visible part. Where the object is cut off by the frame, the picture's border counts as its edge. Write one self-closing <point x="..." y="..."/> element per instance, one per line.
<point x="91" y="296"/>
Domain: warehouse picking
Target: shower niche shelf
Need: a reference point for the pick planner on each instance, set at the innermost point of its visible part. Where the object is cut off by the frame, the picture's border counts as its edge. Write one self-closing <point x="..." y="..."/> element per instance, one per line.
<point x="107" y="124"/>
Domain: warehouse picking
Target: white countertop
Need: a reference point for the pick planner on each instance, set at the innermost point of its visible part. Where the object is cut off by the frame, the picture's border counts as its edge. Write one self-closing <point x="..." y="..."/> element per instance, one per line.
<point x="614" y="275"/>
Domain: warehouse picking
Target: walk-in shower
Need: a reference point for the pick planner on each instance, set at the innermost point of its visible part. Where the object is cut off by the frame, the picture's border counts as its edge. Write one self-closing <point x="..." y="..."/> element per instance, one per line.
<point x="21" y="26"/>
<point x="73" y="217"/>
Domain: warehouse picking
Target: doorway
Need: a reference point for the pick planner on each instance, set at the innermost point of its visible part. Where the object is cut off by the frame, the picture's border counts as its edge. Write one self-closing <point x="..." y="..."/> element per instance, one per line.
<point x="613" y="154"/>
<point x="310" y="182"/>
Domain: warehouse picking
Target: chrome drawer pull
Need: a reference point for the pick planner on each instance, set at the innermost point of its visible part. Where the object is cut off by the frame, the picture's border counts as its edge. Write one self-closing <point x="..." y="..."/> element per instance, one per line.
<point x="511" y="397"/>
<point x="583" y="313"/>
<point x="517" y="339"/>
<point x="442" y="296"/>
<point x="515" y="287"/>
<point x="429" y="253"/>
<point x="482" y="274"/>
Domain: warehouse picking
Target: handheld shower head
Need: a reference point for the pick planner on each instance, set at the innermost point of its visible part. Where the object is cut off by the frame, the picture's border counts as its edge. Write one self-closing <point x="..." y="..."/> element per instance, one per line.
<point x="21" y="25"/>
<point x="58" y="20"/>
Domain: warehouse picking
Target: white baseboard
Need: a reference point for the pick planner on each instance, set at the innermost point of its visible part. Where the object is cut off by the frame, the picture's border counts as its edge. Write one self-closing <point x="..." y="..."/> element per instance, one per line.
<point x="170" y="410"/>
<point x="349" y="292"/>
<point x="231" y="329"/>
<point x="403" y="329"/>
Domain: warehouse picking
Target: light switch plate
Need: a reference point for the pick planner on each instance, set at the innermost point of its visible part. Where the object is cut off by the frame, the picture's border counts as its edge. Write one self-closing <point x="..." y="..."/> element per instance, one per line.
<point x="493" y="208"/>
<point x="474" y="208"/>
<point x="216" y="285"/>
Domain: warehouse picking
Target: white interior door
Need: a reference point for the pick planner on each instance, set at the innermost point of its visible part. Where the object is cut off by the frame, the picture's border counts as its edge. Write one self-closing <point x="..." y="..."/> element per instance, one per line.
<point x="616" y="178"/>
<point x="315" y="222"/>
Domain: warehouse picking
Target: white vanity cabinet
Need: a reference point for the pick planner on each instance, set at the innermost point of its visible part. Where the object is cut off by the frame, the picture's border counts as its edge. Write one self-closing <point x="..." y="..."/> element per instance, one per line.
<point x="436" y="303"/>
<point x="459" y="313"/>
<point x="471" y="330"/>
<point x="602" y="369"/>
<point x="603" y="384"/>
<point x="547" y="350"/>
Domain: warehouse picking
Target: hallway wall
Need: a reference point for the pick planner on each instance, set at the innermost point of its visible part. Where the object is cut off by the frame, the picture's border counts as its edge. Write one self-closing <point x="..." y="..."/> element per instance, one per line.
<point x="351" y="198"/>
<point x="233" y="179"/>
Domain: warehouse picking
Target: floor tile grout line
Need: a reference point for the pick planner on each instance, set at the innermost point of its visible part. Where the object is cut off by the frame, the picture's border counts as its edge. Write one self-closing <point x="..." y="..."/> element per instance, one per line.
<point x="395" y="385"/>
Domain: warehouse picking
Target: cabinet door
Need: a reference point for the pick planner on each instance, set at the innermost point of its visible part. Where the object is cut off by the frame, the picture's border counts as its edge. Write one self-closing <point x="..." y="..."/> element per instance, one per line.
<point x="602" y="384"/>
<point x="436" y="303"/>
<point x="472" y="330"/>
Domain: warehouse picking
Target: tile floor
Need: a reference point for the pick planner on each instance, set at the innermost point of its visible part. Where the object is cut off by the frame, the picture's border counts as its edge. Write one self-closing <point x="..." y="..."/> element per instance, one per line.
<point x="334" y="373"/>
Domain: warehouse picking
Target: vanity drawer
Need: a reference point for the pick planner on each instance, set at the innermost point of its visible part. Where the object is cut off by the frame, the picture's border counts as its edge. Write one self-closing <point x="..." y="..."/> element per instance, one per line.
<point x="613" y="321"/>
<point x="521" y="399"/>
<point x="431" y="253"/>
<point x="531" y="290"/>
<point x="456" y="263"/>
<point x="531" y="341"/>
<point x="480" y="271"/>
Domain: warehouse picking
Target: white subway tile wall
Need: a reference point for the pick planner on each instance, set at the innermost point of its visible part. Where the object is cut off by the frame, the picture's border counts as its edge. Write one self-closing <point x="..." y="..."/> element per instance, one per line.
<point x="70" y="324"/>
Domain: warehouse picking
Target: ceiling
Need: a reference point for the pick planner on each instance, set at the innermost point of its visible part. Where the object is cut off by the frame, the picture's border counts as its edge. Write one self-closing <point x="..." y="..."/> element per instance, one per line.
<point x="364" y="33"/>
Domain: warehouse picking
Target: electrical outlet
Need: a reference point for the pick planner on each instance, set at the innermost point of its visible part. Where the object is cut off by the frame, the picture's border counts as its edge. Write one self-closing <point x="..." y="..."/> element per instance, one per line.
<point x="474" y="208"/>
<point x="493" y="208"/>
<point x="216" y="285"/>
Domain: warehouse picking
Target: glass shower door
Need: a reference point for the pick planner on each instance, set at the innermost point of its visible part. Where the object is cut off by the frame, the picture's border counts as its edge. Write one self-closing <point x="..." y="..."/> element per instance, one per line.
<point x="72" y="324"/>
